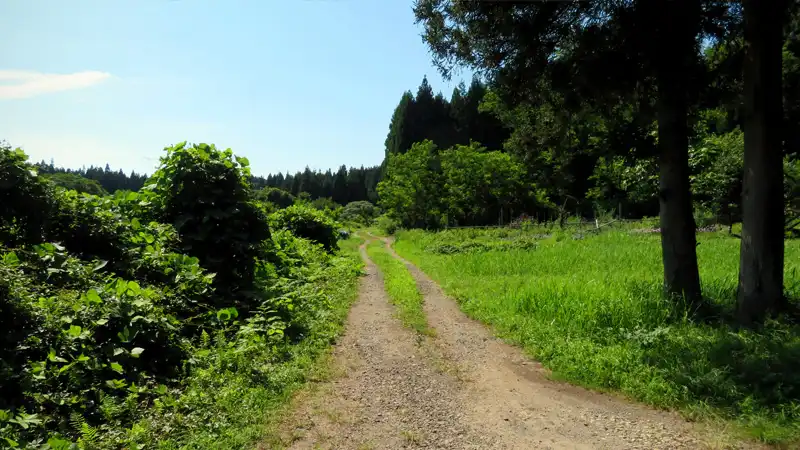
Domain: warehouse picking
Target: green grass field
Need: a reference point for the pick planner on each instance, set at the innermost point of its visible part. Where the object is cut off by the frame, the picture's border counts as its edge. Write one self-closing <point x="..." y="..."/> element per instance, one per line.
<point x="591" y="310"/>
<point x="401" y="287"/>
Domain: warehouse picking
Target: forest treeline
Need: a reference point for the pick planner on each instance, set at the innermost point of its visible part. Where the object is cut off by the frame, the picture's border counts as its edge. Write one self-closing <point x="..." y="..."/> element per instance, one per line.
<point x="342" y="187"/>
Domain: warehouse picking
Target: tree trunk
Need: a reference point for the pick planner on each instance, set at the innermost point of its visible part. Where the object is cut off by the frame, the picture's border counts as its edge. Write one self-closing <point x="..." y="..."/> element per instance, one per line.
<point x="676" y="28"/>
<point x="678" y="242"/>
<point x="762" y="248"/>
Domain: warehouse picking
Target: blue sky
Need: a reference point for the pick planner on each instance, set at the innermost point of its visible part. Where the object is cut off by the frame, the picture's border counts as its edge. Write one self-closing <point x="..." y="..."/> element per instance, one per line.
<point x="285" y="83"/>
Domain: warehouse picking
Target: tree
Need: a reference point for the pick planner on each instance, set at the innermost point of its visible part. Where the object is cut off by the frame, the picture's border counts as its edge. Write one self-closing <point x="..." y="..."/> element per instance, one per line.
<point x="411" y="190"/>
<point x="762" y="248"/>
<point x="399" y="139"/>
<point x="716" y="164"/>
<point x="480" y="186"/>
<point x="362" y="212"/>
<point x="274" y="195"/>
<point x="626" y="44"/>
<point x="76" y="182"/>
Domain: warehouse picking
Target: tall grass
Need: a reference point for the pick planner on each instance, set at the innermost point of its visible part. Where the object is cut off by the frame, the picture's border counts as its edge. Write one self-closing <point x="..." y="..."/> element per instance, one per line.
<point x="591" y="310"/>
<point x="401" y="288"/>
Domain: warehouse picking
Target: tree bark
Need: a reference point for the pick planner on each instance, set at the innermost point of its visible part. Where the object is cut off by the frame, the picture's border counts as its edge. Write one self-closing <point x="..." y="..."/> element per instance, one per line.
<point x="762" y="248"/>
<point x="676" y="25"/>
<point x="678" y="241"/>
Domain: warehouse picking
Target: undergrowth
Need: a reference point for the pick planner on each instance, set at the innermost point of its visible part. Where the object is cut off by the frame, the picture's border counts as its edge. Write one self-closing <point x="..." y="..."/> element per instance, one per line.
<point x="240" y="392"/>
<point x="172" y="317"/>
<point x="591" y="310"/>
<point x="401" y="287"/>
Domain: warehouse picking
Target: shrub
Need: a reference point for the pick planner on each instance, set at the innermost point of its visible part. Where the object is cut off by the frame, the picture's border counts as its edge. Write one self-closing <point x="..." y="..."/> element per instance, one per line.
<point x="88" y="350"/>
<point x="307" y="222"/>
<point x="205" y="194"/>
<point x="277" y="196"/>
<point x="387" y="224"/>
<point x="75" y="182"/>
<point x="25" y="199"/>
<point x="87" y="226"/>
<point x="361" y="212"/>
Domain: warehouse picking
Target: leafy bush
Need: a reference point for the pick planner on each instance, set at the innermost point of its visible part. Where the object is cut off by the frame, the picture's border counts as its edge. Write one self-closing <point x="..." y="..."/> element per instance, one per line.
<point x="387" y="224"/>
<point x="205" y="194"/>
<point x="115" y="333"/>
<point x="307" y="222"/>
<point x="87" y="226"/>
<point x="75" y="182"/>
<point x="361" y="212"/>
<point x="277" y="196"/>
<point x="88" y="355"/>
<point x="328" y="205"/>
<point x="25" y="200"/>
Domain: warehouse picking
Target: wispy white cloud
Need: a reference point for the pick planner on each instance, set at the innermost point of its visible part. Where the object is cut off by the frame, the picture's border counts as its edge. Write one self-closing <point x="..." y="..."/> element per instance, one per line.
<point x="24" y="84"/>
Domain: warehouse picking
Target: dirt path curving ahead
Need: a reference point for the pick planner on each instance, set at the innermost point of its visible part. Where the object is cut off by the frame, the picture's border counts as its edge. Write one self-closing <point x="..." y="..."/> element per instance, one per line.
<point x="462" y="389"/>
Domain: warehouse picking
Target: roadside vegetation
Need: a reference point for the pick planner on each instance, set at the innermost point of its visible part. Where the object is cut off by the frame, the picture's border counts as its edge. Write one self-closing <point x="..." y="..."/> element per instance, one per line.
<point x="401" y="287"/>
<point x="591" y="310"/>
<point x="178" y="316"/>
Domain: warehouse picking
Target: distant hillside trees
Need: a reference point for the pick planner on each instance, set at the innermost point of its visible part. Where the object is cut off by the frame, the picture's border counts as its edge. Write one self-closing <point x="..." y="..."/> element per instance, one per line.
<point x="343" y="186"/>
<point x="111" y="181"/>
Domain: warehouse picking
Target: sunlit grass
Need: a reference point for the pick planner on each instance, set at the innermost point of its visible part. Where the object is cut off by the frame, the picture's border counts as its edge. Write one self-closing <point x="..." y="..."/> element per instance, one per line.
<point x="591" y="310"/>
<point x="401" y="288"/>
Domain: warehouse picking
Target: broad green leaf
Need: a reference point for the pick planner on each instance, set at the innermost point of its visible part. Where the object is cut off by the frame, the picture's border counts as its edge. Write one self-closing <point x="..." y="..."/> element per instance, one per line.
<point x="74" y="331"/>
<point x="11" y="259"/>
<point x="133" y="288"/>
<point x="52" y="357"/>
<point x="136" y="351"/>
<point x="93" y="296"/>
<point x="116" y="367"/>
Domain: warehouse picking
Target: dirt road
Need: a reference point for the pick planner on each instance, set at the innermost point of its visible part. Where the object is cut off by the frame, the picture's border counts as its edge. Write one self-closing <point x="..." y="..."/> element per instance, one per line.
<point x="462" y="389"/>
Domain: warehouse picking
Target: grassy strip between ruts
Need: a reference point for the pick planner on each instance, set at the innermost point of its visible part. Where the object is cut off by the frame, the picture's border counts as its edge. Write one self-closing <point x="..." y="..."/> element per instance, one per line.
<point x="591" y="311"/>
<point x="239" y="413"/>
<point x="401" y="287"/>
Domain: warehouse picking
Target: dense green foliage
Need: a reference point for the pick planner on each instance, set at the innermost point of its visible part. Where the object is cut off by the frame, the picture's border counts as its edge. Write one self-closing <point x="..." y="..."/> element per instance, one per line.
<point x="307" y="222"/>
<point x="169" y="316"/>
<point x="446" y="123"/>
<point x="278" y="197"/>
<point x="343" y="186"/>
<point x="75" y="182"/>
<point x="108" y="180"/>
<point x="204" y="193"/>
<point x="554" y="165"/>
<point x="360" y="212"/>
<point x="465" y="185"/>
<point x="610" y="329"/>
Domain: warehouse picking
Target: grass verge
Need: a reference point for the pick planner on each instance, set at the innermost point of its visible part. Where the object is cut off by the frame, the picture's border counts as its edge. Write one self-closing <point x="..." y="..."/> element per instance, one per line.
<point x="591" y="311"/>
<point x="401" y="287"/>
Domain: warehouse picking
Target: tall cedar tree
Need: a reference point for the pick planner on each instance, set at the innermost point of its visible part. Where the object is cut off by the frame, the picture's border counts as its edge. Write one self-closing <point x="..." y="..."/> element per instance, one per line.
<point x="762" y="248"/>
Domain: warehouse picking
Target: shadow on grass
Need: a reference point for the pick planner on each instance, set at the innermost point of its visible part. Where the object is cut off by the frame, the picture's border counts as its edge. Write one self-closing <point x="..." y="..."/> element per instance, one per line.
<point x="751" y="375"/>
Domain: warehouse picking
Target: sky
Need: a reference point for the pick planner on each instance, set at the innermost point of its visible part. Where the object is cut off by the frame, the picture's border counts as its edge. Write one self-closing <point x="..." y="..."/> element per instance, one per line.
<point x="288" y="84"/>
